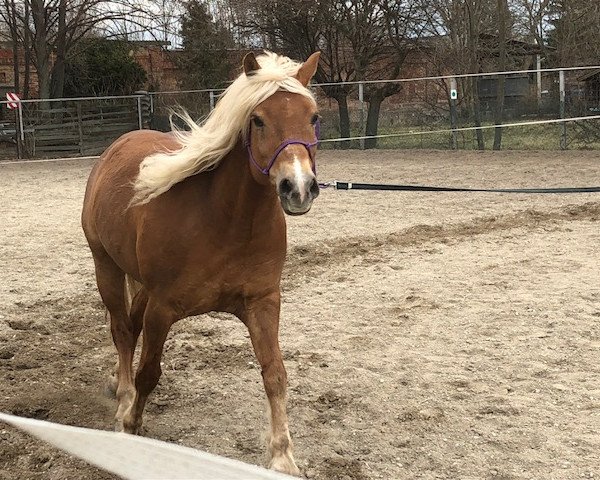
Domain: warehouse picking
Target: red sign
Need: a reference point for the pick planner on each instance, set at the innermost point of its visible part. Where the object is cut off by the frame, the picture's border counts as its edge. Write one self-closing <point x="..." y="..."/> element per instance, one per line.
<point x="13" y="100"/>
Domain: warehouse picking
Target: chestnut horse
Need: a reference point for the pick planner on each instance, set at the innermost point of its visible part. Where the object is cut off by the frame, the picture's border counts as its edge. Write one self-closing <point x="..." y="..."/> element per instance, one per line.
<point x="192" y="221"/>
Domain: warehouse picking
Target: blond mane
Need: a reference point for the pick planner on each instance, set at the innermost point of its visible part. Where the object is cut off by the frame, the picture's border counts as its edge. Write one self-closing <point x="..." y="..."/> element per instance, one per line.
<point x="204" y="146"/>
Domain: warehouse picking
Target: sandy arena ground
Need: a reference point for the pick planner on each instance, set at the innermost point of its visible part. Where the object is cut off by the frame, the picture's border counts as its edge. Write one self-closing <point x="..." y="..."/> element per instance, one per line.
<point x="426" y="335"/>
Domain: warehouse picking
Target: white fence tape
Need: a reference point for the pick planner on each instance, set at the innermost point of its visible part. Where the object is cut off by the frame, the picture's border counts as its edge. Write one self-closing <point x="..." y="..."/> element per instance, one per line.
<point x="133" y="457"/>
<point x="467" y="129"/>
<point x="46" y="160"/>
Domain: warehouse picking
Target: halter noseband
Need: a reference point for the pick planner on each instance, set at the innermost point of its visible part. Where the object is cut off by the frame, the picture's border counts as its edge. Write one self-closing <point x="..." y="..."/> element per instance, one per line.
<point x="282" y="145"/>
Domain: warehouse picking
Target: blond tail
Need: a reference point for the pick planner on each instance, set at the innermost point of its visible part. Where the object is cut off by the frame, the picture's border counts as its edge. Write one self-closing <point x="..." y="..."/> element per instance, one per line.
<point x="132" y="287"/>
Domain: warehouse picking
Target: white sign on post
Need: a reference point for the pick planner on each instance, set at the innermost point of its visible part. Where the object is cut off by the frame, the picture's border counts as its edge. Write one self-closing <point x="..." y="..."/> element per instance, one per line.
<point x="453" y="89"/>
<point x="13" y="100"/>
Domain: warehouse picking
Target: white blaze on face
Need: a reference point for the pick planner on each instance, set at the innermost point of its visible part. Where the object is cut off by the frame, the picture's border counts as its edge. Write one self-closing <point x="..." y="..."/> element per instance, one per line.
<point x="299" y="177"/>
<point x="296" y="168"/>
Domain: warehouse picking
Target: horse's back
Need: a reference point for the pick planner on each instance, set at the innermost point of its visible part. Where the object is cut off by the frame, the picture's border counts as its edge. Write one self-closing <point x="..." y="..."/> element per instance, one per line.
<point x="119" y="164"/>
<point x="107" y="221"/>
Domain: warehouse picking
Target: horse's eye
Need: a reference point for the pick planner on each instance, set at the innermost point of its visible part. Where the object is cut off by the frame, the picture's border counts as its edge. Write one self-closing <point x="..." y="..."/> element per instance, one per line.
<point x="314" y="119"/>
<point x="258" y="121"/>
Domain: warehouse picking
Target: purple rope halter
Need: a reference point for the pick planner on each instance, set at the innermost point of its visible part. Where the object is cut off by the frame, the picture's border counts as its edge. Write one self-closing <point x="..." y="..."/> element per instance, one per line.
<point x="284" y="144"/>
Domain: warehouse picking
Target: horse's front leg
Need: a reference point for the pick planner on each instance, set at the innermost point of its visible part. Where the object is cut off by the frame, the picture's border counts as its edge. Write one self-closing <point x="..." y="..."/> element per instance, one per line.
<point x="261" y="316"/>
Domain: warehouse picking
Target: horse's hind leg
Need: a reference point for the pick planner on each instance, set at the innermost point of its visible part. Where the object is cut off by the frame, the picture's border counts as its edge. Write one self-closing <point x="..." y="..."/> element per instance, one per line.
<point x="157" y="323"/>
<point x="111" y="285"/>
<point x="136" y="315"/>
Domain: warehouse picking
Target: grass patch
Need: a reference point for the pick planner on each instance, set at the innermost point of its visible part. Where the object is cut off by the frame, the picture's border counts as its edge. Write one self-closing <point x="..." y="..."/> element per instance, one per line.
<point x="523" y="137"/>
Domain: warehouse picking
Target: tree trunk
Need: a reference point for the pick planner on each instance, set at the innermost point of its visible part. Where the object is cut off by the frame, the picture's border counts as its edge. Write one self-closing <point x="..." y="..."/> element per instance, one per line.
<point x="43" y="71"/>
<point x="499" y="111"/>
<point x="40" y="47"/>
<point x="375" y="97"/>
<point x="342" y="100"/>
<point x="15" y="44"/>
<point x="373" y="120"/>
<point x="477" y="116"/>
<point x="27" y="54"/>
<point x="473" y="10"/>
<point x="58" y="70"/>
<point x="58" y="77"/>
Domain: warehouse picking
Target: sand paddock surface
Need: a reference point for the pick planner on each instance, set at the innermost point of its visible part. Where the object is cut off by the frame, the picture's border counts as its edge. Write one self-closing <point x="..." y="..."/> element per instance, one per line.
<point x="426" y="335"/>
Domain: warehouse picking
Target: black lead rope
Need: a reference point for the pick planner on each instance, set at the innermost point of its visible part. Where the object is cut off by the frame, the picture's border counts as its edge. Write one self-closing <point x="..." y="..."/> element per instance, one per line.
<point x="423" y="188"/>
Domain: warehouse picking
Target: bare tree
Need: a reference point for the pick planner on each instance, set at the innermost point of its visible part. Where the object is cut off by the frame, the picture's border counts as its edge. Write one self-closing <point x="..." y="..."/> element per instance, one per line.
<point x="358" y="39"/>
<point x="136" y="20"/>
<point x="382" y="48"/>
<point x="299" y="28"/>
<point x="48" y="30"/>
<point x="10" y="20"/>
<point x="503" y="15"/>
<point x="459" y="25"/>
<point x="575" y="32"/>
<point x="533" y="20"/>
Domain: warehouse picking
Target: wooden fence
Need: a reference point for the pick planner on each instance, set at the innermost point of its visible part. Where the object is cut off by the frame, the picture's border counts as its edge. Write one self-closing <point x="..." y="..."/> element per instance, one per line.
<point x="77" y="127"/>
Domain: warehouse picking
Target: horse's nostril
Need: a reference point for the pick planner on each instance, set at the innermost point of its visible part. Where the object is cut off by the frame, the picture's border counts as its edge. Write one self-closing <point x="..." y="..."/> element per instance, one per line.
<point x="314" y="187"/>
<point x="285" y="187"/>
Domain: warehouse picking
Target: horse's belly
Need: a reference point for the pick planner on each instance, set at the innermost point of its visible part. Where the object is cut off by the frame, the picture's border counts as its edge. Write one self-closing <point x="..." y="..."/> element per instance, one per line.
<point x="218" y="284"/>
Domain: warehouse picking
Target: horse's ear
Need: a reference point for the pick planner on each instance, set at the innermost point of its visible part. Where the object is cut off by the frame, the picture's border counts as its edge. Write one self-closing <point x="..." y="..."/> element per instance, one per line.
<point x="250" y="64"/>
<point x="308" y="69"/>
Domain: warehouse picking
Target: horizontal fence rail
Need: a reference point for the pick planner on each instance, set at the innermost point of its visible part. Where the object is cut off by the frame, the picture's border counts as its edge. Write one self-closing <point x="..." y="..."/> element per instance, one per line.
<point x="458" y="75"/>
<point x="74" y="99"/>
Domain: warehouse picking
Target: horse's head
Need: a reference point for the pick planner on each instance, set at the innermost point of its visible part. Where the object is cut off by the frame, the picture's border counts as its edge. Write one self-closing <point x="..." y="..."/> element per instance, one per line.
<point x="282" y="141"/>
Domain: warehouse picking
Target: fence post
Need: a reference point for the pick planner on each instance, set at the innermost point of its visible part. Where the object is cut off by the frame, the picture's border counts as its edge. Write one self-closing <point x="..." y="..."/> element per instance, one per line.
<point x="139" y="109"/>
<point x="453" y="97"/>
<point x="212" y="99"/>
<point x="18" y="131"/>
<point x="145" y="108"/>
<point x="80" y="127"/>
<point x="361" y="99"/>
<point x="539" y="80"/>
<point x="563" y="125"/>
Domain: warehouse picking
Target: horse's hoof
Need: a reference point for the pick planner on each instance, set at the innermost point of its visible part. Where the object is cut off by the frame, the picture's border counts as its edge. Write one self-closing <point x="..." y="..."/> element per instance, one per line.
<point x="284" y="464"/>
<point x="132" y="430"/>
<point x="132" y="427"/>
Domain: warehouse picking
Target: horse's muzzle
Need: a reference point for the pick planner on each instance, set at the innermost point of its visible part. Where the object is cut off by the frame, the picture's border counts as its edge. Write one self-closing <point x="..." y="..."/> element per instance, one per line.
<point x="297" y="199"/>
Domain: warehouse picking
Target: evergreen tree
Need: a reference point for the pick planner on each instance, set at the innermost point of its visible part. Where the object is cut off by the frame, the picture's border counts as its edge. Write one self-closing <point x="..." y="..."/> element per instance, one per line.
<point x="204" y="59"/>
<point x="102" y="67"/>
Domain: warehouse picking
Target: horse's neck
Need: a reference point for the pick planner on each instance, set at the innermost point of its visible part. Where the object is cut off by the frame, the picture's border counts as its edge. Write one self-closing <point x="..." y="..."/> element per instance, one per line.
<point x="238" y="193"/>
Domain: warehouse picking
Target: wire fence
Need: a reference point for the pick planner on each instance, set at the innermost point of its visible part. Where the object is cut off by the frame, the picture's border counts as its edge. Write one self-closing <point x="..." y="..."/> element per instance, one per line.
<point x="540" y="109"/>
<point x="445" y="112"/>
